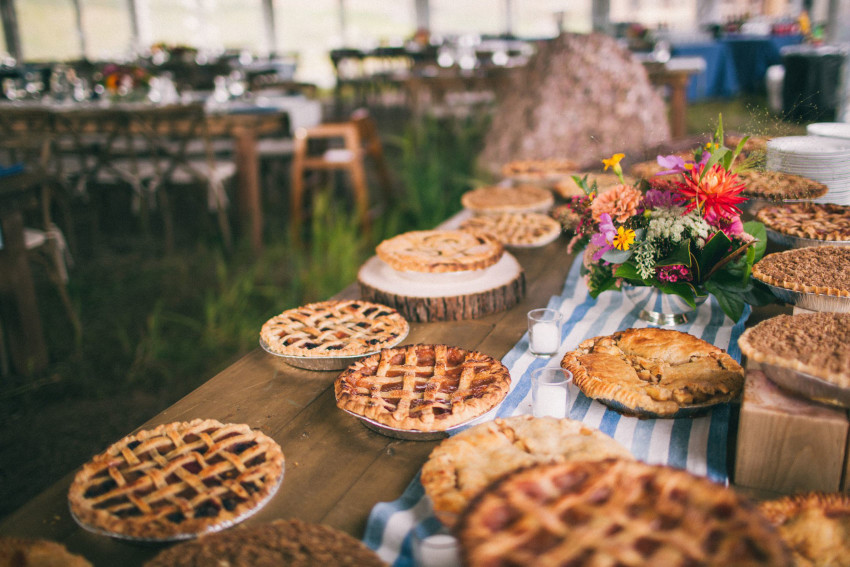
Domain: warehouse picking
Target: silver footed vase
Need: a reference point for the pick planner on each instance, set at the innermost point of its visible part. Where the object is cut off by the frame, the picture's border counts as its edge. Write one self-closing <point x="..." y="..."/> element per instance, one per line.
<point x="660" y="308"/>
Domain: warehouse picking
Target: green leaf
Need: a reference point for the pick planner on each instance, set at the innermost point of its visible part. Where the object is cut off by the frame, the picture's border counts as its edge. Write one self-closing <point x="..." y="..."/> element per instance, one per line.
<point x="683" y="289"/>
<point x="617" y="256"/>
<point x="627" y="271"/>
<point x="681" y="255"/>
<point x="730" y="302"/>
<point x="757" y="231"/>
<point x="715" y="249"/>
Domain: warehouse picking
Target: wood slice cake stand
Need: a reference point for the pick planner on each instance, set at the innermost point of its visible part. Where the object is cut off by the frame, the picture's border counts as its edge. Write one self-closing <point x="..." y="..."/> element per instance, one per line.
<point x="444" y="297"/>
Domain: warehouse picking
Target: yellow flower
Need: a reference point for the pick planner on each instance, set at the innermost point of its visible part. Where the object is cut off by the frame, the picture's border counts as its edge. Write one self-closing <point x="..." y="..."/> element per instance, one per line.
<point x="613" y="162"/>
<point x="624" y="239"/>
<point x="711" y="146"/>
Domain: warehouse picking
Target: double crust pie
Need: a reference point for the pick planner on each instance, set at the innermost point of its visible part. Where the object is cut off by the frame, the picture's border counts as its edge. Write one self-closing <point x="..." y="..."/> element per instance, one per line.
<point x="817" y="221"/>
<point x="292" y="543"/>
<point x="334" y="328"/>
<point x="539" y="168"/>
<point x="615" y="512"/>
<point x="440" y="251"/>
<point x="516" y="229"/>
<point x="496" y="199"/>
<point x="779" y="186"/>
<point x="654" y="371"/>
<point x="177" y="480"/>
<point x="422" y="387"/>
<point x="818" y="269"/>
<point x="464" y="464"/>
<point x="815" y="525"/>
<point x="814" y="343"/>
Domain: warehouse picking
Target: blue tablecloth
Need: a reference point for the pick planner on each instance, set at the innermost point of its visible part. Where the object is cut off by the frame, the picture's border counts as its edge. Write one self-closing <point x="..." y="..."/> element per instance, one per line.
<point x="696" y="444"/>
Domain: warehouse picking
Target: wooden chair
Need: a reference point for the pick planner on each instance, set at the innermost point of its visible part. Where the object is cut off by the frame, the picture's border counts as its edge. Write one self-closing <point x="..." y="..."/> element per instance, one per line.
<point x="359" y="138"/>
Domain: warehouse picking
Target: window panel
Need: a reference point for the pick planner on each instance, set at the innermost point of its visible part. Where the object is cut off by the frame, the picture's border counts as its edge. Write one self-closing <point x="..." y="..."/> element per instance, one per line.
<point x="107" y="29"/>
<point x="48" y="30"/>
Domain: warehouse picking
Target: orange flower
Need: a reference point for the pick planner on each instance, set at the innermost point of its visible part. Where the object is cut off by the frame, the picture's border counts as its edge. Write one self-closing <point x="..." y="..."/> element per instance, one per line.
<point x="620" y="201"/>
<point x="717" y="191"/>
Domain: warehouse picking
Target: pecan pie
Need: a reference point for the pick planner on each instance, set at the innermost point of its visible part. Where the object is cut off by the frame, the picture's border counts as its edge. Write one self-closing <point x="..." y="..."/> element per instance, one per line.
<point x="539" y="168"/>
<point x="779" y="186"/>
<point x="334" y="328"/>
<point x="517" y="229"/>
<point x="283" y="542"/>
<point x="814" y="343"/>
<point x="817" y="269"/>
<point x="816" y="526"/>
<point x="464" y="464"/>
<point x="440" y="251"/>
<point x="614" y="512"/>
<point x="25" y="552"/>
<point x="177" y="480"/>
<point x="422" y="387"/>
<point x="818" y="221"/>
<point x="654" y="371"/>
<point x="497" y="199"/>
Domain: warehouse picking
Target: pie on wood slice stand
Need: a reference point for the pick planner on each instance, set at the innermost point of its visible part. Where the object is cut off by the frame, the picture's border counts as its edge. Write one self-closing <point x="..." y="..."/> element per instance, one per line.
<point x="444" y="297"/>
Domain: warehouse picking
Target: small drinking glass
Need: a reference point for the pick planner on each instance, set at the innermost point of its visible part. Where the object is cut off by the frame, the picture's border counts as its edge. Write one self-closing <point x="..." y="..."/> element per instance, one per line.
<point x="550" y="392"/>
<point x="544" y="331"/>
<point x="437" y="550"/>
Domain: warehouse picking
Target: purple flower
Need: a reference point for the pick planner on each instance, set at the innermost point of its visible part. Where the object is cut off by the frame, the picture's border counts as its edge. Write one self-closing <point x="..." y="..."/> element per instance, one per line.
<point x="656" y="198"/>
<point x="678" y="165"/>
<point x="605" y="238"/>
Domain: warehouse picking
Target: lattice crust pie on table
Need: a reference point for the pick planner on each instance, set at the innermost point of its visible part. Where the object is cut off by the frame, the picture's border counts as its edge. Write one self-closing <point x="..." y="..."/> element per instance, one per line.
<point x="779" y="186"/>
<point x="464" y="464"/>
<point x="422" y="387"/>
<point x="26" y="552"/>
<point x="516" y="229"/>
<point x="539" y="168"/>
<point x="440" y="251"/>
<point x="615" y="512"/>
<point x="290" y="543"/>
<point x="334" y="328"/>
<point x="815" y="525"/>
<point x="814" y="343"/>
<point x="818" y="221"/>
<point x="496" y="199"/>
<point x="654" y="371"/>
<point x="177" y="480"/>
<point x="816" y="269"/>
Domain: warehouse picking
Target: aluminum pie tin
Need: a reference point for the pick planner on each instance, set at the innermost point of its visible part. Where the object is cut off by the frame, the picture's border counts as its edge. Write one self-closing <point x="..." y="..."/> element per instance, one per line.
<point x="693" y="410"/>
<point x="806" y="385"/>
<point x="326" y="363"/>
<point x="183" y="536"/>
<point x="407" y="434"/>
<point x="812" y="301"/>
<point x="800" y="242"/>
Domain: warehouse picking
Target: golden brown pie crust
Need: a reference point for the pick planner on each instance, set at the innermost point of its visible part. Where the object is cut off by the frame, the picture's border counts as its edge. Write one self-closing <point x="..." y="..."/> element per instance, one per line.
<point x="440" y="251"/>
<point x="177" y="480"/>
<point x="813" y="343"/>
<point x="422" y="387"/>
<point x="516" y="229"/>
<point x="651" y="370"/>
<point x="539" y="168"/>
<point x="26" y="552"/>
<point x="816" y="526"/>
<point x="778" y="186"/>
<point x="817" y="269"/>
<point x="615" y="512"/>
<point x="497" y="199"/>
<point x="818" y="221"/>
<point x="464" y="464"/>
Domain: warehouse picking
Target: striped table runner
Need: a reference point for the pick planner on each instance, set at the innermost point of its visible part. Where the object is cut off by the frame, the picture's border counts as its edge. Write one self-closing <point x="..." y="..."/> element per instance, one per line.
<point x="696" y="444"/>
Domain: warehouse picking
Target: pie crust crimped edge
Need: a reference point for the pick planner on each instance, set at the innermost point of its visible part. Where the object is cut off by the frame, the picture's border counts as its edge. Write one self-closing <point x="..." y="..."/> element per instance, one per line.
<point x="775" y="217"/>
<point x="513" y="229"/>
<point x="785" y="283"/>
<point x="150" y="528"/>
<point x="465" y="411"/>
<point x="486" y="199"/>
<point x="411" y="261"/>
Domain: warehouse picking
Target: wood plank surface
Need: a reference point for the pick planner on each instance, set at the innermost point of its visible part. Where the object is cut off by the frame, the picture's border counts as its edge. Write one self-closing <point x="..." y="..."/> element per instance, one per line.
<point x="336" y="469"/>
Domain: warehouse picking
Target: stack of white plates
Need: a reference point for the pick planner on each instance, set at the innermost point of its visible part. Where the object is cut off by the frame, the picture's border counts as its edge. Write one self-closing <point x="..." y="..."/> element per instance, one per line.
<point x="829" y="130"/>
<point x="824" y="159"/>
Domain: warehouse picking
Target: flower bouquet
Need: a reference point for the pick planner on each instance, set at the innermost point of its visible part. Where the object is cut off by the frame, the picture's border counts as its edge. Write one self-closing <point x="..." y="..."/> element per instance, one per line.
<point x="679" y="232"/>
<point x="124" y="80"/>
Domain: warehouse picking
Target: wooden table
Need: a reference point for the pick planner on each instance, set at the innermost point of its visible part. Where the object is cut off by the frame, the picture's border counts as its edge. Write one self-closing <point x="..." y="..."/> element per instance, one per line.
<point x="676" y="77"/>
<point x="336" y="469"/>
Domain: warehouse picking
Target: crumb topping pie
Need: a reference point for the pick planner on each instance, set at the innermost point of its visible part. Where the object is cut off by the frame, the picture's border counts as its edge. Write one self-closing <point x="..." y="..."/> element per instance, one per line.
<point x="497" y="199"/>
<point x="516" y="229"/>
<point x="422" y="387"/>
<point x="814" y="343"/>
<point x="778" y="186"/>
<point x="464" y="464"/>
<point x="815" y="525"/>
<point x="27" y="552"/>
<point x="615" y="512"/>
<point x="654" y="372"/>
<point x="177" y="480"/>
<point x="818" y="221"/>
<point x="816" y="269"/>
<point x="441" y="251"/>
<point x="334" y="328"/>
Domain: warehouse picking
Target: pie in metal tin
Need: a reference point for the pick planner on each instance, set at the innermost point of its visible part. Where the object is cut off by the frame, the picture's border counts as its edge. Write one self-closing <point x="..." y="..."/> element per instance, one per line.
<point x="440" y="251"/>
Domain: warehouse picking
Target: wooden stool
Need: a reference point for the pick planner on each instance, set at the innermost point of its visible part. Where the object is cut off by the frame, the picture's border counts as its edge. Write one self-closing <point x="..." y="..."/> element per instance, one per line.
<point x="360" y="138"/>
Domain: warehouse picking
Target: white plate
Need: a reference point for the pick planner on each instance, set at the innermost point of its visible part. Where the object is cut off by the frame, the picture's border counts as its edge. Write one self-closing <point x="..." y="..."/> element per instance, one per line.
<point x="829" y="129"/>
<point x="816" y="145"/>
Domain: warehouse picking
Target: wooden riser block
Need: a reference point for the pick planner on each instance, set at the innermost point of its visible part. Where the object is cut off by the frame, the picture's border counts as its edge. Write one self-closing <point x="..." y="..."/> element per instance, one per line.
<point x="787" y="444"/>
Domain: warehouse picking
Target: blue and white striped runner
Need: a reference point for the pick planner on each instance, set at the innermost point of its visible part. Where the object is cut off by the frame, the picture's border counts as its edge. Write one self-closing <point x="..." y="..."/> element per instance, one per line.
<point x="696" y="444"/>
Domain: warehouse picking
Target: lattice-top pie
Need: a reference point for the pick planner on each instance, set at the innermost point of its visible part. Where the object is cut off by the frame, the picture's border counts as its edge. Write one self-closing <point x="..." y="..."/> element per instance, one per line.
<point x="615" y="512"/>
<point x="814" y="343"/>
<point x="816" y="526"/>
<point x="779" y="186"/>
<point x="654" y="371"/>
<point x="334" y="328"/>
<point x="290" y="543"/>
<point x="497" y="199"/>
<point x="539" y="168"/>
<point x="422" y="387"/>
<point x="440" y="251"/>
<point x="818" y="221"/>
<point x="177" y="480"/>
<point x="516" y="229"/>
<point x="817" y="269"/>
<point x="464" y="464"/>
